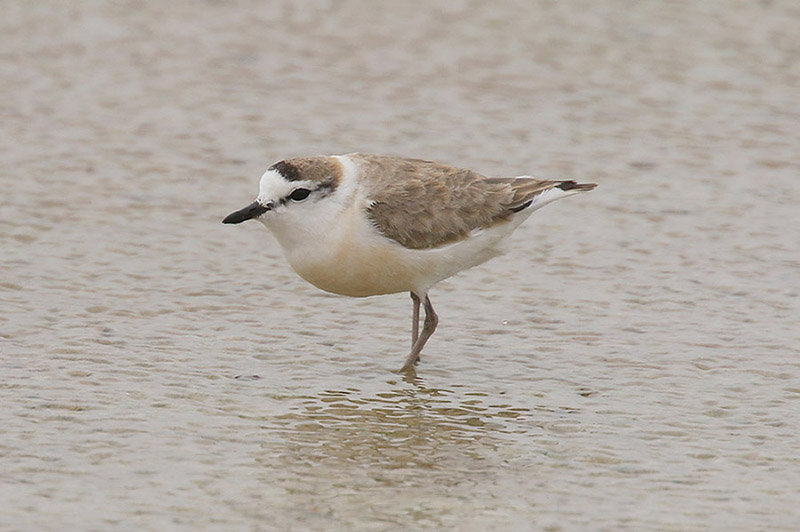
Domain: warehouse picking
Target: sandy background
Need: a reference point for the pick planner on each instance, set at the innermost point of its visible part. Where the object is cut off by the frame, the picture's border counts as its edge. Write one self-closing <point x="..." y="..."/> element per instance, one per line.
<point x="633" y="363"/>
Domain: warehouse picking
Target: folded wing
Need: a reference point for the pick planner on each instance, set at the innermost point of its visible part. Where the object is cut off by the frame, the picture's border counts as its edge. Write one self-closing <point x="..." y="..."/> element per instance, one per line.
<point x="423" y="204"/>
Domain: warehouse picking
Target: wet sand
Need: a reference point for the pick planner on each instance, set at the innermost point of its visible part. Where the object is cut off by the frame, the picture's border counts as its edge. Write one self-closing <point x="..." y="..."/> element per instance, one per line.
<point x="632" y="364"/>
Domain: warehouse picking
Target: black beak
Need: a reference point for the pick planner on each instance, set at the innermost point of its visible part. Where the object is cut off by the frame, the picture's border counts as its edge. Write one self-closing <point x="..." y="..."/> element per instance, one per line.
<point x="254" y="210"/>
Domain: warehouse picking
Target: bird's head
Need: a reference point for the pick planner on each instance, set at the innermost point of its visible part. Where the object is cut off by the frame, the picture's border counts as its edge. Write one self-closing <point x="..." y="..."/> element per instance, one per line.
<point x="289" y="188"/>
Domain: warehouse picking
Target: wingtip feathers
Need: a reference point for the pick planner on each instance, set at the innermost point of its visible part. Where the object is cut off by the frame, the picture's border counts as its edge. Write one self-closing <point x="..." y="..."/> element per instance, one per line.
<point x="575" y="186"/>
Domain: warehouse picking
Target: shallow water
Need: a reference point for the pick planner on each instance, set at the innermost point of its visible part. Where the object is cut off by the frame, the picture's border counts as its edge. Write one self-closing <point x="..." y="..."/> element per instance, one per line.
<point x="632" y="364"/>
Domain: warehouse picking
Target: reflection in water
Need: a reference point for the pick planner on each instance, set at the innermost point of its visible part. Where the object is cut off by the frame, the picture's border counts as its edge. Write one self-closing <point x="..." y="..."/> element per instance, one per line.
<point x="411" y="455"/>
<point x="410" y="426"/>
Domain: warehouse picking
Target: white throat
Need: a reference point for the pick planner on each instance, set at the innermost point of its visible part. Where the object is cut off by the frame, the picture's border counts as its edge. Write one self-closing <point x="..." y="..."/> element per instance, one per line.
<point x="312" y="232"/>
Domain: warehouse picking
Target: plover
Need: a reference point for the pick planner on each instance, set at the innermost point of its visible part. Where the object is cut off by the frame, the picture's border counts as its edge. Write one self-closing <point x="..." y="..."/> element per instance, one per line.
<point x="364" y="225"/>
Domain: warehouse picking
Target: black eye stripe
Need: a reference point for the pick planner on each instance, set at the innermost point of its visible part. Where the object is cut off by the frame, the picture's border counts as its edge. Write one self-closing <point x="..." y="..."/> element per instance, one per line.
<point x="321" y="190"/>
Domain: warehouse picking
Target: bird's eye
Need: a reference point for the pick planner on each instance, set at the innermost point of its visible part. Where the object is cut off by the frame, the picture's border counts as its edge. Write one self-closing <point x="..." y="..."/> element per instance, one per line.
<point x="299" y="194"/>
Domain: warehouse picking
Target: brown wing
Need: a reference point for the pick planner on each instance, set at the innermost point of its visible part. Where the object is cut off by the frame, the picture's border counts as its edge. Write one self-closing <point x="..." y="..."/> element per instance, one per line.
<point x="422" y="204"/>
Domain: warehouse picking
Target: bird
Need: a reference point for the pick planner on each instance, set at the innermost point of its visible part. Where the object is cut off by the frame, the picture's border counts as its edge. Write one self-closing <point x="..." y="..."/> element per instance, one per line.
<point x="364" y="224"/>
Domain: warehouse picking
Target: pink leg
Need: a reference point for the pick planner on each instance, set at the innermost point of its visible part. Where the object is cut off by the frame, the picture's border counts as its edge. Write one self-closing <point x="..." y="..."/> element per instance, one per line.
<point x="414" y="320"/>
<point x="431" y="321"/>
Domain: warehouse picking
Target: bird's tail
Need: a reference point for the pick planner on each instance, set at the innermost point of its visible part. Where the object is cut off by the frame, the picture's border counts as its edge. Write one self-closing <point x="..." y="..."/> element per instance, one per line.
<point x="536" y="193"/>
<point x="577" y="187"/>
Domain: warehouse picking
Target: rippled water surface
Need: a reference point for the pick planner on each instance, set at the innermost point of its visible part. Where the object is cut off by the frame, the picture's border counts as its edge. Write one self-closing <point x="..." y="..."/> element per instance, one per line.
<point x="632" y="364"/>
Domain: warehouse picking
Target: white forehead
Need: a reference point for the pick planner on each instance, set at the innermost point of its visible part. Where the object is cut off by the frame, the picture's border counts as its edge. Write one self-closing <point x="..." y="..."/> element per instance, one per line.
<point x="273" y="186"/>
